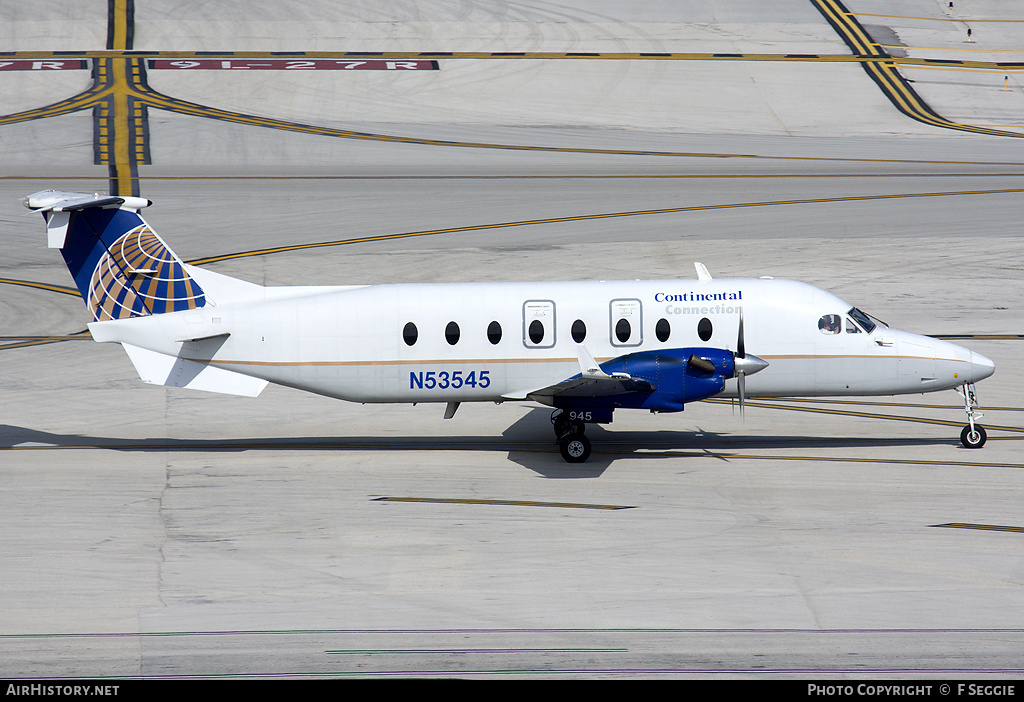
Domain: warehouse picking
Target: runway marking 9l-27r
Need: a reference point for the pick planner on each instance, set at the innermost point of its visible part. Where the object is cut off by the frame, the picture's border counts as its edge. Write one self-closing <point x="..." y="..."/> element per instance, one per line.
<point x="276" y="64"/>
<point x="163" y="59"/>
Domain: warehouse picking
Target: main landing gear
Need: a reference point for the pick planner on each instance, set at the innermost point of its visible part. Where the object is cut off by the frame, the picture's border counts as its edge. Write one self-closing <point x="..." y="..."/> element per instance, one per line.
<point x="572" y="442"/>
<point x="973" y="435"/>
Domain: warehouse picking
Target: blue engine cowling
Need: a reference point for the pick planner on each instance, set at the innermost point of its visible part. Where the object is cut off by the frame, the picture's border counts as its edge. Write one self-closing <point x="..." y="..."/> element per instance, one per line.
<point x="664" y="380"/>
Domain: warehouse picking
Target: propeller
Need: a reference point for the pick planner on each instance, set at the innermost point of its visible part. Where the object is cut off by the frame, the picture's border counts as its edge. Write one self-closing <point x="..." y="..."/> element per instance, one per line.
<point x="745" y="365"/>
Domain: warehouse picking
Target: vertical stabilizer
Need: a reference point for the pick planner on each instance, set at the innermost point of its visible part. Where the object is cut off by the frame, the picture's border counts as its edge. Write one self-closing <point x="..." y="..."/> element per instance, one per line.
<point x="121" y="267"/>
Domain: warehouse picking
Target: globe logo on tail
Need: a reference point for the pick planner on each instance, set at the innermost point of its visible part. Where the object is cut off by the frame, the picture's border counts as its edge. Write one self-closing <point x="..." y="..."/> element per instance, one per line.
<point x="138" y="275"/>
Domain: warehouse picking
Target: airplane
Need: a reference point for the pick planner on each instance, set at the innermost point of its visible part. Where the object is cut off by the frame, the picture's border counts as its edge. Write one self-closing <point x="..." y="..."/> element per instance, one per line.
<point x="585" y="348"/>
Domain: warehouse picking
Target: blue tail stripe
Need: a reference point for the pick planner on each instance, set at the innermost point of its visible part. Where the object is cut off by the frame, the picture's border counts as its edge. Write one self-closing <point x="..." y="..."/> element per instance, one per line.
<point x="83" y="247"/>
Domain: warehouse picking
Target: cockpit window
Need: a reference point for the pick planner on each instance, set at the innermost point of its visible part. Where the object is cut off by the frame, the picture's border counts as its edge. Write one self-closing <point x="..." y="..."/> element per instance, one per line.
<point x="829" y="324"/>
<point x="851" y="328"/>
<point x="862" y="319"/>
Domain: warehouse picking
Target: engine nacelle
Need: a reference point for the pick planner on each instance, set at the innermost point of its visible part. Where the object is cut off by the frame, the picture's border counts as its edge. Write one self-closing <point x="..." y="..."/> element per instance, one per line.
<point x="664" y="380"/>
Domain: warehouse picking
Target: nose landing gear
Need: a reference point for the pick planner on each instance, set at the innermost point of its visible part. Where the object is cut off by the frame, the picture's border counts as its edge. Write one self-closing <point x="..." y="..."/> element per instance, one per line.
<point x="973" y="435"/>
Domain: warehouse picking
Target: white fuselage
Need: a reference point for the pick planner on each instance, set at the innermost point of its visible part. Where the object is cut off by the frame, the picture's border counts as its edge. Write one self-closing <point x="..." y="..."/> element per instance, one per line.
<point x="353" y="343"/>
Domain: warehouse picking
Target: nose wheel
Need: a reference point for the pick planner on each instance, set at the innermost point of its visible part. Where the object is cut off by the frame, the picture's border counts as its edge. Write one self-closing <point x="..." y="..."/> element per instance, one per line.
<point x="973" y="435"/>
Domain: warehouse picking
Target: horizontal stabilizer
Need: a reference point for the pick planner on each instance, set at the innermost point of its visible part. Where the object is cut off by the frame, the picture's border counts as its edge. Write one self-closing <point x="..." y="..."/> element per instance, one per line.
<point x="58" y="201"/>
<point x="161" y="369"/>
<point x="207" y="337"/>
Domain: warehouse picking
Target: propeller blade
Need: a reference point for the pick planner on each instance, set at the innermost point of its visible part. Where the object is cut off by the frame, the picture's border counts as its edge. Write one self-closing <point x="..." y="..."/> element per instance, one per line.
<point x="741" y="347"/>
<point x="741" y="384"/>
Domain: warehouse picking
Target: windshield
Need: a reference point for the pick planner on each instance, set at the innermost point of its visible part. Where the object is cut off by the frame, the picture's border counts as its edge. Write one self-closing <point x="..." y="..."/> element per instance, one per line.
<point x="862" y="319"/>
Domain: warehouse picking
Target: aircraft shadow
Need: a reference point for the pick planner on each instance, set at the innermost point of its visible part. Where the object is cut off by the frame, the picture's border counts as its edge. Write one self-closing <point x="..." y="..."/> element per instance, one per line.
<point x="608" y="446"/>
<point x="529" y="442"/>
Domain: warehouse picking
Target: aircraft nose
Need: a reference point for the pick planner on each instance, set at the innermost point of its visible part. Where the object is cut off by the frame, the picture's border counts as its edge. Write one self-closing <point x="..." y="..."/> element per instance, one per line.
<point x="981" y="367"/>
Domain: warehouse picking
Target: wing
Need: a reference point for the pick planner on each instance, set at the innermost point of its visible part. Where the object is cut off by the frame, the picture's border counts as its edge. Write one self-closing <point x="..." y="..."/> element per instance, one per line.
<point x="590" y="382"/>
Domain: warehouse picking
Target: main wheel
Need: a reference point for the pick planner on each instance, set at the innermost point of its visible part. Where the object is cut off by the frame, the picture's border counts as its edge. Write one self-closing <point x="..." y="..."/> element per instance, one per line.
<point x="575" y="448"/>
<point x="975" y="439"/>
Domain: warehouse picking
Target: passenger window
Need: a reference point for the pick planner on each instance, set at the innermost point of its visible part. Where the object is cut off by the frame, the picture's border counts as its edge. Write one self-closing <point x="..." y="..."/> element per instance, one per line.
<point x="494" y="332"/>
<point x="626" y="322"/>
<point x="451" y="333"/>
<point x="539" y="324"/>
<point x="704" y="329"/>
<point x="829" y="324"/>
<point x="851" y="328"/>
<point x="536" y="331"/>
<point x="622" y="330"/>
<point x="578" y="331"/>
<point x="409" y="334"/>
<point x="662" y="329"/>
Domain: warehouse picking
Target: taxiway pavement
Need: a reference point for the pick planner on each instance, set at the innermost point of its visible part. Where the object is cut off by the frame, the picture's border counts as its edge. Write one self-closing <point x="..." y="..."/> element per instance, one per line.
<point x="156" y="532"/>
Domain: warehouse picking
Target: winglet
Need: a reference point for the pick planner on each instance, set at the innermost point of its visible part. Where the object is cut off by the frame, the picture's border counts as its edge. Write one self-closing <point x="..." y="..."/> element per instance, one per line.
<point x="702" y="271"/>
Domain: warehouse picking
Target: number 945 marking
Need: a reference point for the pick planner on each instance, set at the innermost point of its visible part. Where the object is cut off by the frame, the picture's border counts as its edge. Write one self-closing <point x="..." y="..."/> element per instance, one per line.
<point x="443" y="380"/>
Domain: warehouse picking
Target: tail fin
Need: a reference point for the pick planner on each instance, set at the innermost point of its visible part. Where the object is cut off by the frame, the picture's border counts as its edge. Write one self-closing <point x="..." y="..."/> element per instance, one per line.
<point x="121" y="267"/>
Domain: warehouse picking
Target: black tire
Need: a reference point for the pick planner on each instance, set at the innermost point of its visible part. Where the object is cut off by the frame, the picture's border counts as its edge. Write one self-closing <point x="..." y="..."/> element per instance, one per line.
<point x="975" y="440"/>
<point x="575" y="448"/>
